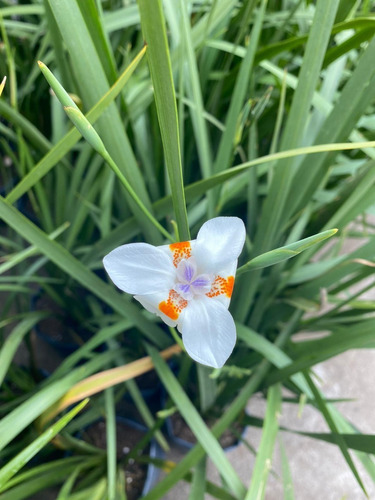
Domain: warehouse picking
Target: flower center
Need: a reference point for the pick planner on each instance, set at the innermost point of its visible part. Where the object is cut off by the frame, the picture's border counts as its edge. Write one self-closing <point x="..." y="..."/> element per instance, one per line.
<point x="188" y="282"/>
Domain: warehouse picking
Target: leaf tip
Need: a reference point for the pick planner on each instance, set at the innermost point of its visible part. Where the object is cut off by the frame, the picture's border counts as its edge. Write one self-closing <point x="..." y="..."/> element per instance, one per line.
<point x="84" y="402"/>
<point x="2" y="84"/>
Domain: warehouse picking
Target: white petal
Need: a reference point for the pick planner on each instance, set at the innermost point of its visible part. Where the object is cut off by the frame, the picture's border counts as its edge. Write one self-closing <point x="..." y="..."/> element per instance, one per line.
<point x="219" y="243"/>
<point x="208" y="331"/>
<point x="151" y="303"/>
<point x="140" y="269"/>
<point x="228" y="270"/>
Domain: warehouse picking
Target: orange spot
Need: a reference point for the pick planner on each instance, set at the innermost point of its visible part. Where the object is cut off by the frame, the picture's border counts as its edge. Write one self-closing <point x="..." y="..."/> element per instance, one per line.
<point x="221" y="286"/>
<point x="173" y="306"/>
<point x="181" y="250"/>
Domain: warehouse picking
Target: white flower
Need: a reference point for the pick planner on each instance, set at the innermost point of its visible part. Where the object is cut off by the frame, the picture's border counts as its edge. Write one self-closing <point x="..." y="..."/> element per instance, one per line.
<point x="188" y="284"/>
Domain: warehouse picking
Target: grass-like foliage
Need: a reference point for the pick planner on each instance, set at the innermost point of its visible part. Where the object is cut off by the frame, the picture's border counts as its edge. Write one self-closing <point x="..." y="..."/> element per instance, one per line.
<point x="138" y="121"/>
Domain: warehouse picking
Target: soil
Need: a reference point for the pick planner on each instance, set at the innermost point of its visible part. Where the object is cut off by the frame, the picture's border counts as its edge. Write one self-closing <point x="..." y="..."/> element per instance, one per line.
<point x="182" y="431"/>
<point x="126" y="438"/>
<point x="149" y="381"/>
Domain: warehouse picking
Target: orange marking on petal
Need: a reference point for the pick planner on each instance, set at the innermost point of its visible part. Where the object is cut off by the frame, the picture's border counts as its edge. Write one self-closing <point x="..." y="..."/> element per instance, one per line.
<point x="229" y="287"/>
<point x="221" y="286"/>
<point x="173" y="306"/>
<point x="181" y="250"/>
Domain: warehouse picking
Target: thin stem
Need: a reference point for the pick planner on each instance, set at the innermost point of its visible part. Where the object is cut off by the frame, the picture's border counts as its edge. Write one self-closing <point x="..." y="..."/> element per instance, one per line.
<point x="133" y="194"/>
<point x="177" y="338"/>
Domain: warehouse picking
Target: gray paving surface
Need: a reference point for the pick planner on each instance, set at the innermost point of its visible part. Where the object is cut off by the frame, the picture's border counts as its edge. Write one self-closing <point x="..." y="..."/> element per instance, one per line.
<point x="319" y="471"/>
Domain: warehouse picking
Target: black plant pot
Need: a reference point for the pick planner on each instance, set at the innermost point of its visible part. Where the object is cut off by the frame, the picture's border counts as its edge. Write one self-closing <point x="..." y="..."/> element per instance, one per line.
<point x="180" y="434"/>
<point x="128" y="433"/>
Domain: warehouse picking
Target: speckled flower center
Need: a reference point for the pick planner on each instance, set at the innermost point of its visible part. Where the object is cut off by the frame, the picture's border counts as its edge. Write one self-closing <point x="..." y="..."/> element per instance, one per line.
<point x="188" y="282"/>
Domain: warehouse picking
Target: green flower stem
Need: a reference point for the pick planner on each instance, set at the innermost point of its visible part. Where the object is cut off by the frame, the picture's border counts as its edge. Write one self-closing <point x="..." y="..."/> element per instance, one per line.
<point x="177" y="338"/>
<point x="89" y="133"/>
<point x="133" y="194"/>
<point x="284" y="253"/>
<point x="158" y="56"/>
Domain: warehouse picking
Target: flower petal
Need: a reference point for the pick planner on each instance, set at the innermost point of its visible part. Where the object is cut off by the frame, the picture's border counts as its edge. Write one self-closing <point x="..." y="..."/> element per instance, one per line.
<point x="151" y="303"/>
<point x="140" y="269"/>
<point x="228" y="274"/>
<point x="208" y="331"/>
<point x="219" y="243"/>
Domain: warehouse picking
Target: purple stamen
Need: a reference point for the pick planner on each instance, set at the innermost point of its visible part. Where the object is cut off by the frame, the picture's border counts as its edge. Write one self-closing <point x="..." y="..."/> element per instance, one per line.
<point x="189" y="272"/>
<point x="188" y="282"/>
<point x="200" y="282"/>
<point x="183" y="288"/>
